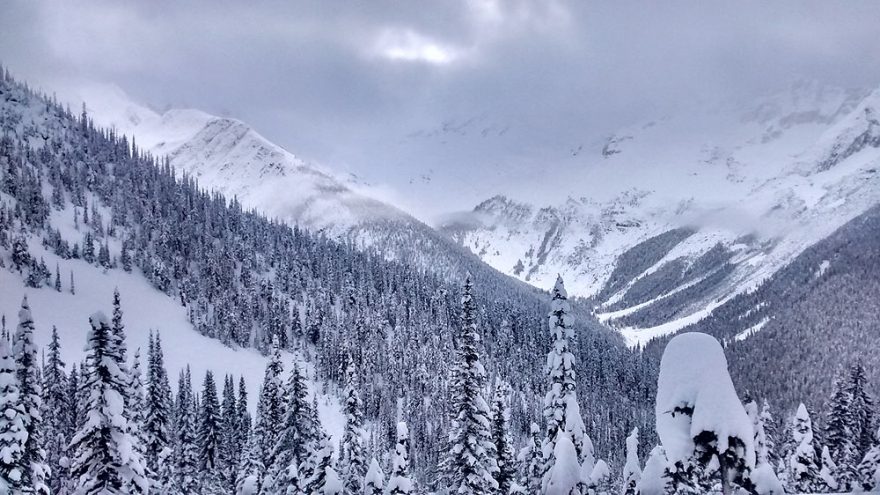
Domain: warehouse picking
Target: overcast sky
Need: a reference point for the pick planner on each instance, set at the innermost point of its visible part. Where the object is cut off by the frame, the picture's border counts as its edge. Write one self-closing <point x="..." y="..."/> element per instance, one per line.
<point x="362" y="86"/>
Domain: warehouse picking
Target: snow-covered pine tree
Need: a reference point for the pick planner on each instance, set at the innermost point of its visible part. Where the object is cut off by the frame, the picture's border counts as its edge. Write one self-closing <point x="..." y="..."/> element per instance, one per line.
<point x="118" y="329"/>
<point x="655" y="479"/>
<point x="57" y="278"/>
<point x="827" y="472"/>
<point x="158" y="408"/>
<point x="31" y="389"/>
<point x="324" y="479"/>
<point x="771" y="434"/>
<point x="862" y="410"/>
<point x="471" y="459"/>
<point x="505" y="472"/>
<point x="249" y="479"/>
<point x="840" y="438"/>
<point x="352" y="458"/>
<point x="137" y="412"/>
<point x="803" y="468"/>
<point x="186" y="457"/>
<point x="244" y="417"/>
<point x="705" y="430"/>
<point x="632" y="471"/>
<point x="55" y="414"/>
<point x="209" y="438"/>
<point x="564" y="476"/>
<point x="270" y="412"/>
<point x="103" y="460"/>
<point x="869" y="468"/>
<point x="374" y="481"/>
<point x="399" y="481"/>
<point x="531" y="461"/>
<point x="13" y="434"/>
<point x="227" y="458"/>
<point x="297" y="434"/>
<point x="561" y="409"/>
<point x="764" y="474"/>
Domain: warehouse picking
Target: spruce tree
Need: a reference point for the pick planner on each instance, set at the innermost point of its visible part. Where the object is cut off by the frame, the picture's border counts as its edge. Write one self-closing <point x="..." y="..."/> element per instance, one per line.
<point x="270" y="422"/>
<point x="352" y="457"/>
<point x="209" y="437"/>
<point x="505" y="473"/>
<point x="298" y="437"/>
<point x="561" y="408"/>
<point x="158" y="408"/>
<point x="186" y="458"/>
<point x="324" y="478"/>
<point x="399" y="481"/>
<point x="374" y="481"/>
<point x="839" y="435"/>
<point x="802" y="464"/>
<point x="137" y="407"/>
<point x="55" y="414"/>
<point x="862" y="407"/>
<point x="227" y="460"/>
<point x="632" y="472"/>
<point x="13" y="434"/>
<point x="531" y="461"/>
<point x="103" y="461"/>
<point x="869" y="468"/>
<point x="30" y="388"/>
<point x="471" y="459"/>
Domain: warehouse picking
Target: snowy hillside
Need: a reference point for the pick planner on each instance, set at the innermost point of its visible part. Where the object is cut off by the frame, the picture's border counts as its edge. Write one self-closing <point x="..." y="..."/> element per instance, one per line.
<point x="229" y="156"/>
<point x="713" y="202"/>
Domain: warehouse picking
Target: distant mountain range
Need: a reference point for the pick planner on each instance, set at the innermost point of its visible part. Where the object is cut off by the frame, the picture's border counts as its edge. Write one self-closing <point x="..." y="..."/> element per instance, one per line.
<point x="678" y="214"/>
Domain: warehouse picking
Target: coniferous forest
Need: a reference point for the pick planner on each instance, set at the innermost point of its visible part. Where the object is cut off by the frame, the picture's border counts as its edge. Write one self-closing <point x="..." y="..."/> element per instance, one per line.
<point x="449" y="380"/>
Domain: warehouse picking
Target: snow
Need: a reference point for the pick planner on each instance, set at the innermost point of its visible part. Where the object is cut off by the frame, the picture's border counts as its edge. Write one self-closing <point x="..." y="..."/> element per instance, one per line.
<point x="765" y="480"/>
<point x="144" y="309"/>
<point x="565" y="475"/>
<point x="693" y="374"/>
<point x="637" y="337"/>
<point x="652" y="476"/>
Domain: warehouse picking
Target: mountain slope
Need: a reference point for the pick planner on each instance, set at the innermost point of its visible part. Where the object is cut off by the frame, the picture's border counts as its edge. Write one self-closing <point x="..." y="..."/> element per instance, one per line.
<point x="77" y="191"/>
<point x="709" y="207"/>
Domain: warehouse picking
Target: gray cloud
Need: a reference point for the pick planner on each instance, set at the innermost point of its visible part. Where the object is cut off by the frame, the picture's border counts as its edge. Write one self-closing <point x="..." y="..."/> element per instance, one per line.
<point x="365" y="86"/>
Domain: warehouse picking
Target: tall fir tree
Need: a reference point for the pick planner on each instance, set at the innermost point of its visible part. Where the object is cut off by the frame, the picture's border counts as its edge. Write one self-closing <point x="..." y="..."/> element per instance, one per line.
<point x="352" y="457"/>
<point x="103" y="461"/>
<point x="471" y="459"/>
<point x="505" y="472"/>
<point x="862" y="407"/>
<point x="56" y="419"/>
<point x="561" y="408"/>
<point x="298" y="437"/>
<point x="869" y="468"/>
<point x="632" y="472"/>
<point x="803" y="467"/>
<point x="186" y="457"/>
<point x="209" y="438"/>
<point x="531" y="460"/>
<point x="227" y="458"/>
<point x="270" y="420"/>
<point x="13" y="434"/>
<point x="374" y="481"/>
<point x="840" y="439"/>
<point x="30" y="386"/>
<point x="158" y="407"/>
<point x="399" y="481"/>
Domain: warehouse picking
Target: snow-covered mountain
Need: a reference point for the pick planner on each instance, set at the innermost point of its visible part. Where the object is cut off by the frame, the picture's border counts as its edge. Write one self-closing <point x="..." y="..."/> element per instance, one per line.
<point x="679" y="214"/>
<point x="229" y="156"/>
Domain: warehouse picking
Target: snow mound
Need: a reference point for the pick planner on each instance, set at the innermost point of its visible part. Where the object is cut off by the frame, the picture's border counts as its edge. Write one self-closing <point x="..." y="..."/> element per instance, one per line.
<point x="695" y="394"/>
